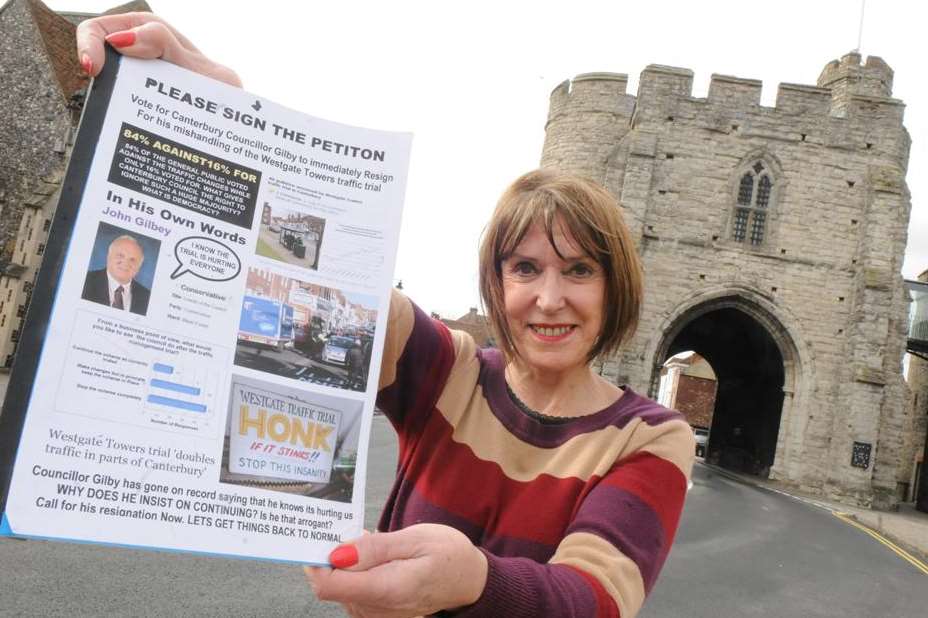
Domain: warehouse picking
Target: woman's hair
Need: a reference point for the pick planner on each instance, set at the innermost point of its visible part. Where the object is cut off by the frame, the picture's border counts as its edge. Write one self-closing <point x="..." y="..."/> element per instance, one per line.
<point x="592" y="217"/>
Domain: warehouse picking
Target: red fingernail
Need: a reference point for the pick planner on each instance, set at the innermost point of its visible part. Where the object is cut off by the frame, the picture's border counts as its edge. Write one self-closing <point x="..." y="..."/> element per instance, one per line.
<point x="86" y="64"/>
<point x="344" y="556"/>
<point x="121" y="39"/>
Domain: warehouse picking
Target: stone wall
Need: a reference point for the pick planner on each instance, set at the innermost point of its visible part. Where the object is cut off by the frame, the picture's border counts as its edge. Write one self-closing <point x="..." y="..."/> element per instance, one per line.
<point x="40" y="86"/>
<point x="825" y="281"/>
<point x="41" y="93"/>
<point x="34" y="137"/>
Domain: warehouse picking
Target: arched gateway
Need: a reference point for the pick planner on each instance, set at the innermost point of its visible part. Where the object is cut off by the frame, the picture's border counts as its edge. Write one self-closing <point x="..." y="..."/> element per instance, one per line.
<point x="757" y="366"/>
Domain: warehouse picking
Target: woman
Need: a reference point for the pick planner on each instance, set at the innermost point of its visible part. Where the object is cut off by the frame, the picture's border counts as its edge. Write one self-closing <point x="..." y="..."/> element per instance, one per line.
<point x="527" y="485"/>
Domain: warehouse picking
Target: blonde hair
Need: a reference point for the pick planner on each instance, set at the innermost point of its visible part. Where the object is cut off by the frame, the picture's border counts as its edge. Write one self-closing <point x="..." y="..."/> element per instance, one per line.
<point x="593" y="218"/>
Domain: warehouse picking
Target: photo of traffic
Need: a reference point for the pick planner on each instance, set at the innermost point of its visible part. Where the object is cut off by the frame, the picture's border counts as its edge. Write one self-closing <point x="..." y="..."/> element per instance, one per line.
<point x="305" y="331"/>
<point x="290" y="236"/>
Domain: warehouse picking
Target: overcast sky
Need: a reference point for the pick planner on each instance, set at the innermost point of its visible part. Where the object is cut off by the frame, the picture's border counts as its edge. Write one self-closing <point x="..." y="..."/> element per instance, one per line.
<point x="471" y="80"/>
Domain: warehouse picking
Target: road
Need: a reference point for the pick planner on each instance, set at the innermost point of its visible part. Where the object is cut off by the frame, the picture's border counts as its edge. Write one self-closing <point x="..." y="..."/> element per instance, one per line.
<point x="740" y="551"/>
<point x="746" y="551"/>
<point x="292" y="363"/>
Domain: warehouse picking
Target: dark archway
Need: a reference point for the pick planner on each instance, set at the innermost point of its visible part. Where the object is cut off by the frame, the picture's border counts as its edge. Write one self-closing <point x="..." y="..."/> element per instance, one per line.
<point x="750" y="371"/>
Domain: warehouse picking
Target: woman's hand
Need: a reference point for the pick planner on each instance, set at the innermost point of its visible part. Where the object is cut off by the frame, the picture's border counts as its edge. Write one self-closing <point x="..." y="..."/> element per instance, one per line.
<point x="413" y="572"/>
<point x="143" y="35"/>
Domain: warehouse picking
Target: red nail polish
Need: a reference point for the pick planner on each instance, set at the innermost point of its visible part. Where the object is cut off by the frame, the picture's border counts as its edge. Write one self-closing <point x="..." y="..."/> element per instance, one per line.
<point x="86" y="64"/>
<point x="344" y="556"/>
<point x="121" y="39"/>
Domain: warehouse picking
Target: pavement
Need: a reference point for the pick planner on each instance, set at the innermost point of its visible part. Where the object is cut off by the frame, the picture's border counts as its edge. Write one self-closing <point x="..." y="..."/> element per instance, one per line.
<point x="906" y="528"/>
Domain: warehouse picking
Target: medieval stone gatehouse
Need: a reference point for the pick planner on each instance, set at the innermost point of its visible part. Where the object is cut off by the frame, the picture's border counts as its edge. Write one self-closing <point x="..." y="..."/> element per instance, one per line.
<point x="772" y="241"/>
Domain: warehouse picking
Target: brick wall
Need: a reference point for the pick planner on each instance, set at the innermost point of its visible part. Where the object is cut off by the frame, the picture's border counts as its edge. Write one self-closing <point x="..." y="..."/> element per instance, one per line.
<point x="696" y="399"/>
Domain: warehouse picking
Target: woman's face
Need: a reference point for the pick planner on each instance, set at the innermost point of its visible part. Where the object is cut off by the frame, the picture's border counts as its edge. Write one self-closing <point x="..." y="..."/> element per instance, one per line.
<point x="554" y="306"/>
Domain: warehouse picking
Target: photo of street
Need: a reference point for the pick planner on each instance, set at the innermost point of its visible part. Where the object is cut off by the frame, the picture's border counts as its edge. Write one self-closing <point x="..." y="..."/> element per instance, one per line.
<point x="290" y="236"/>
<point x="306" y="332"/>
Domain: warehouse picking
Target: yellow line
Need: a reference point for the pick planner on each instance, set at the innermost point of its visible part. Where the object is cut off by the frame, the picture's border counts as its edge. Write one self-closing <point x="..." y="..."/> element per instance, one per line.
<point x="918" y="564"/>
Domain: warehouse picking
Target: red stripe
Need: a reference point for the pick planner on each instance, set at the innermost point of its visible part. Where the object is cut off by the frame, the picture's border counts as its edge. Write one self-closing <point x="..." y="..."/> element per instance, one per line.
<point x="657" y="482"/>
<point x="606" y="607"/>
<point x="481" y="493"/>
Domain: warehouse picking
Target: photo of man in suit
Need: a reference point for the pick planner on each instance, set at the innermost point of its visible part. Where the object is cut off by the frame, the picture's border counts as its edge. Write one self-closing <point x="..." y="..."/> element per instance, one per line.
<point x="115" y="285"/>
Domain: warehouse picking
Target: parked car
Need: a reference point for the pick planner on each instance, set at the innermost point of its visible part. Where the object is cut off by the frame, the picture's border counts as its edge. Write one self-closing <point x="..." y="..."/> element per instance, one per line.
<point x="702" y="439"/>
<point x="336" y="350"/>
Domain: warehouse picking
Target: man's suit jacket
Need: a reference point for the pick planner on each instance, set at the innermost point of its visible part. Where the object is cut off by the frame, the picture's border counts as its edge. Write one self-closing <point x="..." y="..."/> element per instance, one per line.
<point x="97" y="290"/>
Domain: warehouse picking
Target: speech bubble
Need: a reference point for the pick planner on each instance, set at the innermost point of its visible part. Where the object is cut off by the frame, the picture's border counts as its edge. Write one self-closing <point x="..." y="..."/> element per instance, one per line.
<point x="206" y="258"/>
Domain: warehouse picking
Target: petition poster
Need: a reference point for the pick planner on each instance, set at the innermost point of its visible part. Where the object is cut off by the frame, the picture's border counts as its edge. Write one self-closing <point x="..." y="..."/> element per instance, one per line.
<point x="208" y="372"/>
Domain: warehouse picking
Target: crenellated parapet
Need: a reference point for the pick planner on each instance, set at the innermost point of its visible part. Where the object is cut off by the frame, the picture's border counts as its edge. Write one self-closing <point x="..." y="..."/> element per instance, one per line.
<point x="734" y="91"/>
<point x="801" y="100"/>
<point x="851" y="108"/>
<point x="660" y="89"/>
<point x="873" y="78"/>
<point x="591" y="93"/>
<point x="587" y="117"/>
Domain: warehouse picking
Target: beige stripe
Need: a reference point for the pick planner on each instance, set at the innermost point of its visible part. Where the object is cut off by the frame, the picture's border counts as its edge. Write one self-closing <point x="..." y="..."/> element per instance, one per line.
<point x="672" y="440"/>
<point x="581" y="457"/>
<point x="399" y="328"/>
<point x="611" y="568"/>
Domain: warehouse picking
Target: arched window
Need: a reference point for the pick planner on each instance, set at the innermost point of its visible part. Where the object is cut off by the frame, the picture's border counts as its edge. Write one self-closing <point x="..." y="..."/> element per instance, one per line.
<point x="754" y="190"/>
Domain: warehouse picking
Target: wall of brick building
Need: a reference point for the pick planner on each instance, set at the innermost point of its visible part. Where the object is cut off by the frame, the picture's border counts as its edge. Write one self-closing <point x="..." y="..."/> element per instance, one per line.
<point x="695" y="399"/>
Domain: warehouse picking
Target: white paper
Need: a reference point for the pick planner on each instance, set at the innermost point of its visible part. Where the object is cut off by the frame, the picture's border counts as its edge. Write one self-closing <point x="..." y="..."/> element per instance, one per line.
<point x="226" y="406"/>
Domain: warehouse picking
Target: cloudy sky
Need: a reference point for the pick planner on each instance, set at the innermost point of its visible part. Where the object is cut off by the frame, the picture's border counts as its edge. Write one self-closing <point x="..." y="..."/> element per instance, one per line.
<point x="471" y="80"/>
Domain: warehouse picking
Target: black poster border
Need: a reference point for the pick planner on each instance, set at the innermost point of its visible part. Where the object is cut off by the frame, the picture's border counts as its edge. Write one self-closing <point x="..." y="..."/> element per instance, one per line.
<point x="36" y="322"/>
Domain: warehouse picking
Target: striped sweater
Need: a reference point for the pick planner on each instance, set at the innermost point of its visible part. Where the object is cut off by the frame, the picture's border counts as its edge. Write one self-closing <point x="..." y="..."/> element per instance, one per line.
<point x="575" y="518"/>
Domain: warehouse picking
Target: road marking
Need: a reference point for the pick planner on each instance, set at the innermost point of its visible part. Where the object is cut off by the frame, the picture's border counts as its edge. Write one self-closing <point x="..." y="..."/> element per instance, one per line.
<point x="918" y="564"/>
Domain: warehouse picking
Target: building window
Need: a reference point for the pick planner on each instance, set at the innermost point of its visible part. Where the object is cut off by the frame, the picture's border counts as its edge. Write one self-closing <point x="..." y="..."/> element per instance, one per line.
<point x="753" y="204"/>
<point x="46" y="225"/>
<point x="41" y="249"/>
<point x="21" y="311"/>
<point x="14" y="336"/>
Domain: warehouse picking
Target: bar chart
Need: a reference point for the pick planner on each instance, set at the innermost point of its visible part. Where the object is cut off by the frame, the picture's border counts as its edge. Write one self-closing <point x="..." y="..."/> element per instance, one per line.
<point x="181" y="398"/>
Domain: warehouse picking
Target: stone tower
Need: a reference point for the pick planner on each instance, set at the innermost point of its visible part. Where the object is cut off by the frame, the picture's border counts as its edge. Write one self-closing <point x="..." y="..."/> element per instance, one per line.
<point x="41" y="94"/>
<point x="772" y="240"/>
